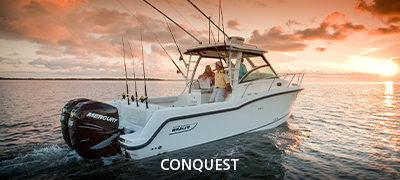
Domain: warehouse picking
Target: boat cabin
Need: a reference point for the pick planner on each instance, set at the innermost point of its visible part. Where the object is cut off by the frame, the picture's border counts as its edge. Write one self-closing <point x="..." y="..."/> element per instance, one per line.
<point x="230" y="54"/>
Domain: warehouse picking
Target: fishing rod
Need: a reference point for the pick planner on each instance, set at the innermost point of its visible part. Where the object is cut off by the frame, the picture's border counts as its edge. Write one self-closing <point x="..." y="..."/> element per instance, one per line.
<point x="172" y="59"/>
<point x="156" y="37"/>
<point x="180" y="53"/>
<point x="173" y="22"/>
<point x="126" y="74"/>
<point x="173" y="37"/>
<point x="144" y="73"/>
<point x="134" y="77"/>
<point x="208" y="19"/>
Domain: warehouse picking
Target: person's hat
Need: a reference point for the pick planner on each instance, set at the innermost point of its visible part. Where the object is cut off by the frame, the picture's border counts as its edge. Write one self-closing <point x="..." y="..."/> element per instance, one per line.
<point x="219" y="63"/>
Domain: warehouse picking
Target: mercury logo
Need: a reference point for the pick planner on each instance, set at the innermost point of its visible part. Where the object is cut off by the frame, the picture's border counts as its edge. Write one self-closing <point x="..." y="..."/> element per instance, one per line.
<point x="101" y="117"/>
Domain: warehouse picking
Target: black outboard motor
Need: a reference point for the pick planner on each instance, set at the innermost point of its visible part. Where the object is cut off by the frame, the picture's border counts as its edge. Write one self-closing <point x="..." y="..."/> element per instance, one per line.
<point x="65" y="114"/>
<point x="93" y="128"/>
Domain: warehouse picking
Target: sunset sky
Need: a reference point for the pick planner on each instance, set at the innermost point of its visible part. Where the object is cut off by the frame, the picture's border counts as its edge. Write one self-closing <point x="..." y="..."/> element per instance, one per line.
<point x="82" y="38"/>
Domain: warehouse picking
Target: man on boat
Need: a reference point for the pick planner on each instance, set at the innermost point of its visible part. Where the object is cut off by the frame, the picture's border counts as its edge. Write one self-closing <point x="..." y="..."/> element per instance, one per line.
<point x="243" y="69"/>
<point x="222" y="84"/>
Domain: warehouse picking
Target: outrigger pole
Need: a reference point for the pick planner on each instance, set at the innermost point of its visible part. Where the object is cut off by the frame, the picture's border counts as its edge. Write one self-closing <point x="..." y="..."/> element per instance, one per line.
<point x="144" y="73"/>
<point x="134" y="77"/>
<point x="173" y="21"/>
<point x="208" y="19"/>
<point x="126" y="75"/>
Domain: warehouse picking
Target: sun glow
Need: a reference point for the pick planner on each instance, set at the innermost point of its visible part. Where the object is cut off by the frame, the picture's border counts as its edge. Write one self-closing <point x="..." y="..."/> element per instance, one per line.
<point x="388" y="68"/>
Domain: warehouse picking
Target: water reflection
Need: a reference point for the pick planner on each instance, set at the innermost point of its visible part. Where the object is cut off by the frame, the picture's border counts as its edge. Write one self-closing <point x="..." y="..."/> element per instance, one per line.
<point x="388" y="124"/>
<point x="389" y="99"/>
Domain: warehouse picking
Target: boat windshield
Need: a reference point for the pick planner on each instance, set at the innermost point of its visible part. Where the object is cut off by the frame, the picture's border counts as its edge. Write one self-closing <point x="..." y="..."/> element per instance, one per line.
<point x="254" y="61"/>
<point x="260" y="72"/>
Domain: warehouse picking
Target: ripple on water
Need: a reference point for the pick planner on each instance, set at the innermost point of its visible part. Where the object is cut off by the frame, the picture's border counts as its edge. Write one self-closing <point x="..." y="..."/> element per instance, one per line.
<point x="337" y="131"/>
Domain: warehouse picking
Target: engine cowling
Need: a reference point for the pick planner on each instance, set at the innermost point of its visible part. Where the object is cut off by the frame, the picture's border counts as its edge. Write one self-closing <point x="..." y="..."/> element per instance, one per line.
<point x="65" y="114"/>
<point x="93" y="128"/>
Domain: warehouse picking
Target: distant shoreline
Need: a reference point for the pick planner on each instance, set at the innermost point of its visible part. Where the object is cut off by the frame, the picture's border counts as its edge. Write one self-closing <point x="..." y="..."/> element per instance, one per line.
<point x="91" y="79"/>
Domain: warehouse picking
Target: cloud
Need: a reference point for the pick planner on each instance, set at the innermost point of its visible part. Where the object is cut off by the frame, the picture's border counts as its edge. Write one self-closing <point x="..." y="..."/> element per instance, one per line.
<point x="260" y="3"/>
<point x="392" y="29"/>
<point x="289" y="23"/>
<point x="49" y="50"/>
<point x="75" y="64"/>
<point x="72" y="27"/>
<point x="65" y="25"/>
<point x="381" y="8"/>
<point x="263" y="3"/>
<point x="233" y="24"/>
<point x="274" y="35"/>
<point x="275" y="39"/>
<point x="320" y="49"/>
<point x="335" y="27"/>
<point x="9" y="61"/>
<point x="41" y="21"/>
<point x="78" y="36"/>
<point x="388" y="11"/>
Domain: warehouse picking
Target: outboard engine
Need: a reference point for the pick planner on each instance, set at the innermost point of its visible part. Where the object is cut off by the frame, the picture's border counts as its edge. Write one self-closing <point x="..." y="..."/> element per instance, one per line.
<point x="93" y="128"/>
<point x="65" y="114"/>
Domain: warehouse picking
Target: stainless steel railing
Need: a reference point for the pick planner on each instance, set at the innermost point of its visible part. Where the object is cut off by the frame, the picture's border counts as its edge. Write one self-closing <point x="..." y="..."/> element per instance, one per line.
<point x="293" y="76"/>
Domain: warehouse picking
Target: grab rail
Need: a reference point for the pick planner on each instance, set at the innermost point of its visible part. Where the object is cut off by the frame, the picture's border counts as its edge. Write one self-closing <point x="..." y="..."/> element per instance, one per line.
<point x="300" y="77"/>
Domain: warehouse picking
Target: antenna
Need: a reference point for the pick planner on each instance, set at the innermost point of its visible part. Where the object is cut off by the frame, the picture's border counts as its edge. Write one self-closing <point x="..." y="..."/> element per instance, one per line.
<point x="173" y="21"/>
<point x="134" y="77"/>
<point x="126" y="75"/>
<point x="208" y="19"/>
<point x="144" y="73"/>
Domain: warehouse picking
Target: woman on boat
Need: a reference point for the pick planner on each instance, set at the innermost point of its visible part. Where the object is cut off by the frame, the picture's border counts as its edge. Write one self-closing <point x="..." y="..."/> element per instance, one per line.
<point x="208" y="73"/>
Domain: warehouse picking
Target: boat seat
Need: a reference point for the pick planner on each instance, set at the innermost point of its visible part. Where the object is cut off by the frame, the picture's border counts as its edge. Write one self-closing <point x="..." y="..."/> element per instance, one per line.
<point x="202" y="86"/>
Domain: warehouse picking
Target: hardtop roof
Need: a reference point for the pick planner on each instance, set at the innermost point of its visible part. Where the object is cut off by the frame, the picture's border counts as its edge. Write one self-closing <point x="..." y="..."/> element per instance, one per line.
<point x="216" y="50"/>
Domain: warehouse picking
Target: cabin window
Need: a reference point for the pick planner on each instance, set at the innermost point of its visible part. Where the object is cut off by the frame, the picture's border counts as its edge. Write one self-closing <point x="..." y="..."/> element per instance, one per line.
<point x="255" y="61"/>
<point x="260" y="72"/>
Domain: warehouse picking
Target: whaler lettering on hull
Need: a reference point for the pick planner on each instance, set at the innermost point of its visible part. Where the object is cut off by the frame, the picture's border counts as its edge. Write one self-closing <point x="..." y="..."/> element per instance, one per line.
<point x="182" y="128"/>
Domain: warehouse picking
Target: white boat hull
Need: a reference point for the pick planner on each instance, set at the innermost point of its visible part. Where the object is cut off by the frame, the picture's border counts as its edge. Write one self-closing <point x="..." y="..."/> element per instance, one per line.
<point x="182" y="127"/>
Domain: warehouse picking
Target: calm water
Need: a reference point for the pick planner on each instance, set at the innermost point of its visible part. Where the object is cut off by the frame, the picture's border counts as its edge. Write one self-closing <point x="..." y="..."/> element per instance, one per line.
<point x="337" y="131"/>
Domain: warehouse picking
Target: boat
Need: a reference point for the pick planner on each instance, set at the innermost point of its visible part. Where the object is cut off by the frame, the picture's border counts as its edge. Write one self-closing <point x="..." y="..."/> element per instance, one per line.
<point x="261" y="99"/>
<point x="258" y="99"/>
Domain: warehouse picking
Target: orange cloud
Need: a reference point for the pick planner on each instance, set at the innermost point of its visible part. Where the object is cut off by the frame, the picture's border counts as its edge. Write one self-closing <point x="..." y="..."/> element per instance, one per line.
<point x="382" y="8"/>
<point x="335" y="27"/>
<point x="392" y="29"/>
<point x="388" y="11"/>
<point x="275" y="39"/>
<point x="233" y="24"/>
<point x="292" y="22"/>
<point x="79" y="29"/>
<point x="41" y="21"/>
<point x="320" y="49"/>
